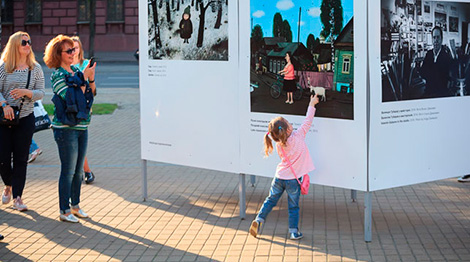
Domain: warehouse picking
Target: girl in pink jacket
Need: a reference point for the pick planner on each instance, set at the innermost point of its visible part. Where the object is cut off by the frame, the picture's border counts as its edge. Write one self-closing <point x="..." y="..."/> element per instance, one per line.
<point x="293" y="143"/>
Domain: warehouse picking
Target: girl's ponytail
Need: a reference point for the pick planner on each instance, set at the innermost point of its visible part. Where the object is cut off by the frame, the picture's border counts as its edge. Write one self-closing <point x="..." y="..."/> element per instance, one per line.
<point x="268" y="145"/>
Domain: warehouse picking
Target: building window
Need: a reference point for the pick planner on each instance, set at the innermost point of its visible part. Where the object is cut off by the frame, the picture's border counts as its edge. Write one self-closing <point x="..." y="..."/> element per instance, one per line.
<point x="115" y="11"/>
<point x="346" y="64"/>
<point x="83" y="10"/>
<point x="7" y="11"/>
<point x="33" y="11"/>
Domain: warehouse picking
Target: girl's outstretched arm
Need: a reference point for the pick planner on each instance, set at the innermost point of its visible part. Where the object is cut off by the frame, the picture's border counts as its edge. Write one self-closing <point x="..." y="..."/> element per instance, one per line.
<point x="310" y="114"/>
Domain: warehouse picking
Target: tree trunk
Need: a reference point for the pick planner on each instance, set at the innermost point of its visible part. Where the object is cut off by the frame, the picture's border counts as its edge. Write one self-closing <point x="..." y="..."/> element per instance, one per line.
<point x="158" y="41"/>
<point x="168" y="11"/>
<point x="202" y="17"/>
<point x="219" y="15"/>
<point x="91" y="41"/>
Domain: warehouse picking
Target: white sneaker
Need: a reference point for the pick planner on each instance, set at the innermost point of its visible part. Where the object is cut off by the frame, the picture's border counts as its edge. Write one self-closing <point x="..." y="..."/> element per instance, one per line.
<point x="6" y="196"/>
<point x="68" y="218"/>
<point x="79" y="213"/>
<point x="465" y="178"/>
<point x="18" y="204"/>
<point x="34" y="155"/>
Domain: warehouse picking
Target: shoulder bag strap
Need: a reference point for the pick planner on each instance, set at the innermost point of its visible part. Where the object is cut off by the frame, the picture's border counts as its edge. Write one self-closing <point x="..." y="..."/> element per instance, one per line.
<point x="290" y="164"/>
<point x="27" y="87"/>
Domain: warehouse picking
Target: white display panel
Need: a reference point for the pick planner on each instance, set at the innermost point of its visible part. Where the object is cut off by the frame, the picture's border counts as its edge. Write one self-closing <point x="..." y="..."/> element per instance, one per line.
<point x="189" y="93"/>
<point x="337" y="145"/>
<point x="416" y="135"/>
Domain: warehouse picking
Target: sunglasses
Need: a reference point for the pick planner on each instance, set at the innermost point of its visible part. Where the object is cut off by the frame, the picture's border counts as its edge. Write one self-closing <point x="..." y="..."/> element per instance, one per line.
<point x="24" y="42"/>
<point x="70" y="51"/>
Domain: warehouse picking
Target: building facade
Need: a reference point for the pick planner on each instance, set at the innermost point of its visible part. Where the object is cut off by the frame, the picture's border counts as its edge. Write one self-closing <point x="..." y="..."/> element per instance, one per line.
<point x="116" y="22"/>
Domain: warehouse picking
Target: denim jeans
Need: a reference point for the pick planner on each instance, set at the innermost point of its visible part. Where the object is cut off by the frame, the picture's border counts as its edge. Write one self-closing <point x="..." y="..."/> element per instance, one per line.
<point x="33" y="146"/>
<point x="278" y="186"/>
<point x="72" y="146"/>
<point x="15" y="141"/>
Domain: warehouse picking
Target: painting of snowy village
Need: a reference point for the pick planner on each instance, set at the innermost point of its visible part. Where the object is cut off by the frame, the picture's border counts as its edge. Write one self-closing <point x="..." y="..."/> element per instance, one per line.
<point x="188" y="29"/>
<point x="317" y="37"/>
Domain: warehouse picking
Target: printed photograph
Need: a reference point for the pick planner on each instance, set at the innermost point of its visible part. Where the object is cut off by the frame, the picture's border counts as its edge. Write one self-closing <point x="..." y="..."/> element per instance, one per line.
<point x="188" y="29"/>
<point x="424" y="55"/>
<point x="298" y="48"/>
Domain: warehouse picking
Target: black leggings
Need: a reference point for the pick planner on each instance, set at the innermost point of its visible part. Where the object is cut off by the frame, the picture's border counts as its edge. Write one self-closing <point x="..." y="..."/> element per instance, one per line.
<point x="15" y="140"/>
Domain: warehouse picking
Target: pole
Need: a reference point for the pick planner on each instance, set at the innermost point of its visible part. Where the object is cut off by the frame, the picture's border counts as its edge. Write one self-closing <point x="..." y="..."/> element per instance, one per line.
<point x="368" y="217"/>
<point x="144" y="179"/>
<point x="242" y="196"/>
<point x="353" y="195"/>
<point x="253" y="180"/>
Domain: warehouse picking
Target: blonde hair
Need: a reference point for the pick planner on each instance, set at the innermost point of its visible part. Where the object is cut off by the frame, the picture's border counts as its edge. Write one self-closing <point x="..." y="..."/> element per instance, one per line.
<point x="80" y="46"/>
<point x="278" y="128"/>
<point x="11" y="54"/>
<point x="53" y="52"/>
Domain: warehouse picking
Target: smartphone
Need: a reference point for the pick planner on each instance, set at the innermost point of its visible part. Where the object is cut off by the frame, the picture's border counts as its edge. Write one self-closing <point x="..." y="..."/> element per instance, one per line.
<point x="92" y="62"/>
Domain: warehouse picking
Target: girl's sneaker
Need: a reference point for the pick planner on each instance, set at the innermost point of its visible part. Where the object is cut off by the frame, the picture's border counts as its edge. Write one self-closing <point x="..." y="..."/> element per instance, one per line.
<point x="255" y="228"/>
<point x="6" y="196"/>
<point x="296" y="235"/>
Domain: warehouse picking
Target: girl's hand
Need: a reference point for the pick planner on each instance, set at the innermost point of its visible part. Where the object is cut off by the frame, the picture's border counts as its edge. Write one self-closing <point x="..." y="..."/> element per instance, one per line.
<point x="314" y="100"/>
<point x="21" y="92"/>
<point x="89" y="72"/>
<point x="8" y="112"/>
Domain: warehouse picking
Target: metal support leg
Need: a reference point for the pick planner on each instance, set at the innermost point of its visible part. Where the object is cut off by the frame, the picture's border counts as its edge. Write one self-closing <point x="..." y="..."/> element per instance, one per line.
<point x="144" y="179"/>
<point x="353" y="195"/>
<point x="368" y="217"/>
<point x="242" y="196"/>
<point x="253" y="180"/>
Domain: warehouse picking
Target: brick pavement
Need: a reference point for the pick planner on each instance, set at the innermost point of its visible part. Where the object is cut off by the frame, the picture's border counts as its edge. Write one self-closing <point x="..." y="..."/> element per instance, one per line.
<point x="187" y="221"/>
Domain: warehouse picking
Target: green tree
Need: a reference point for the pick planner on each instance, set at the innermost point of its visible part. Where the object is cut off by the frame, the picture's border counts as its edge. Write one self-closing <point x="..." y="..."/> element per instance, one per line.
<point x="277" y="25"/>
<point x="257" y="38"/>
<point x="312" y="42"/>
<point x="286" y="32"/>
<point x="331" y="17"/>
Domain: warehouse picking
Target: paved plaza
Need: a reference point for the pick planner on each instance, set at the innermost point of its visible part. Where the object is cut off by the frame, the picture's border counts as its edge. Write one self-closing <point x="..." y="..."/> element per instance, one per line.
<point x="191" y="214"/>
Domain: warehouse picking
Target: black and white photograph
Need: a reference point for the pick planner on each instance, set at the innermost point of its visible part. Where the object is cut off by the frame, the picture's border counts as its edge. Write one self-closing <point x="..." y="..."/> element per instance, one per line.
<point x="188" y="30"/>
<point x="424" y="56"/>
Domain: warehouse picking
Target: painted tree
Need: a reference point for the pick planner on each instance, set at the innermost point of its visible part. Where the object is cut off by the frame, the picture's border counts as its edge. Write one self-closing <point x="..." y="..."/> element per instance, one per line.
<point x="256" y="38"/>
<point x="277" y="25"/>
<point x="286" y="31"/>
<point x="154" y="7"/>
<point x="331" y="17"/>
<point x="312" y="43"/>
<point x="218" y="22"/>
<point x="202" y="20"/>
<point x="168" y="11"/>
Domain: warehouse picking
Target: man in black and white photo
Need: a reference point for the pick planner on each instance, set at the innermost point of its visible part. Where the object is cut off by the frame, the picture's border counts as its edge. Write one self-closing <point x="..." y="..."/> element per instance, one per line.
<point x="436" y="67"/>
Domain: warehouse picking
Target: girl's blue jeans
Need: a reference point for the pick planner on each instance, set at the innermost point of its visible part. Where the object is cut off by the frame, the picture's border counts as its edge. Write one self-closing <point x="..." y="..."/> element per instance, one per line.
<point x="278" y="186"/>
<point x="33" y="146"/>
<point x="72" y="146"/>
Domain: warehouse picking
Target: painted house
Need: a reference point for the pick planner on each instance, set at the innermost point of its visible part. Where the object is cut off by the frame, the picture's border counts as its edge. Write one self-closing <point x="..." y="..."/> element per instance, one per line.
<point x="301" y="57"/>
<point x="343" y="79"/>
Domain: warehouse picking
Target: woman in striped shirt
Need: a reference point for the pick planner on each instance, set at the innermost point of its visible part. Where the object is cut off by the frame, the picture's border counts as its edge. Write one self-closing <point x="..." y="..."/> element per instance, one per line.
<point x="70" y="85"/>
<point x="21" y="83"/>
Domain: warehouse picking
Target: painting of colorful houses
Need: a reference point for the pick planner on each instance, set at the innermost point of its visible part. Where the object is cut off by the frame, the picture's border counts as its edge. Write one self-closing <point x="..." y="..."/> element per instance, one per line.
<point x="322" y="53"/>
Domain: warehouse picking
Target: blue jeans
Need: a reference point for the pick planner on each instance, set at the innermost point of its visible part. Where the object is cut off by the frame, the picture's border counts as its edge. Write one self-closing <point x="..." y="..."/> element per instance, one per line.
<point x="33" y="146"/>
<point x="72" y="146"/>
<point x="278" y="186"/>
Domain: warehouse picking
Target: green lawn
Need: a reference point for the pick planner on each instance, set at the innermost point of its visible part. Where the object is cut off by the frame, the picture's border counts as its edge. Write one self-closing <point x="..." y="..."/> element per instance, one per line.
<point x="98" y="109"/>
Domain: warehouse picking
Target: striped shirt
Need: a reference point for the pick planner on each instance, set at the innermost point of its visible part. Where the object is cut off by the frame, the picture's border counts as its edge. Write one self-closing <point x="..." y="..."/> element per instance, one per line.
<point x="18" y="79"/>
<point x="59" y="87"/>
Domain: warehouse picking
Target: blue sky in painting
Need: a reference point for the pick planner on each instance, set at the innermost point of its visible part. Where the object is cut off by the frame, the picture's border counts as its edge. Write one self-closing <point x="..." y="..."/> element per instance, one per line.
<point x="262" y="12"/>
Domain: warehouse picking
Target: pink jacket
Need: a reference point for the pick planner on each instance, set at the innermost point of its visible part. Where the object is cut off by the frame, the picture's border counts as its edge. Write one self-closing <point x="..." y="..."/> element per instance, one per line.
<point x="297" y="151"/>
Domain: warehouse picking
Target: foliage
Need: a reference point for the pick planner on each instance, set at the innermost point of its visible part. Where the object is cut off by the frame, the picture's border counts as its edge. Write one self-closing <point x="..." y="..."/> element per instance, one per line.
<point x="277" y="24"/>
<point x="312" y="43"/>
<point x="331" y="17"/>
<point x="286" y="32"/>
<point x="257" y="34"/>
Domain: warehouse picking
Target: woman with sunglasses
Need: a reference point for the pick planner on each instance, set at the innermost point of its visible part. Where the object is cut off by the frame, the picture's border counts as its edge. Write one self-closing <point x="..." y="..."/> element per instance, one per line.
<point x="73" y="90"/>
<point x="82" y="64"/>
<point x="21" y="83"/>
